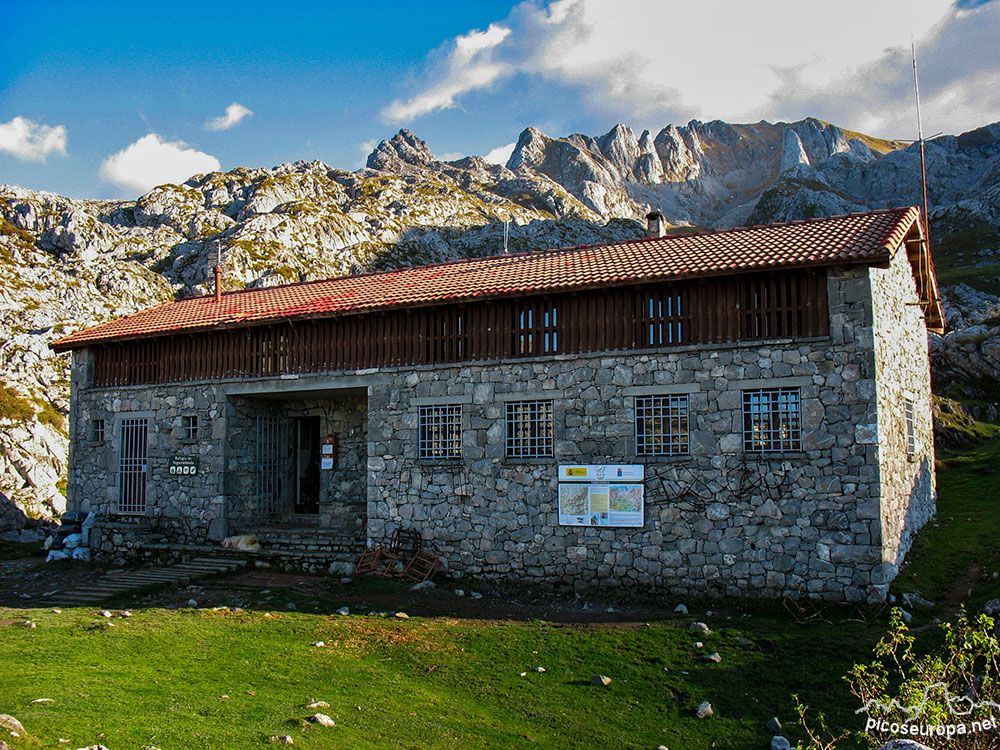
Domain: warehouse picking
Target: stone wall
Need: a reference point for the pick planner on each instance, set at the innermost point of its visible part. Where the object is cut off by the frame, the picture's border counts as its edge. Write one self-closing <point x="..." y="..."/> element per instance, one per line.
<point x="221" y="499"/>
<point x="184" y="509"/>
<point x="717" y="521"/>
<point x="902" y="373"/>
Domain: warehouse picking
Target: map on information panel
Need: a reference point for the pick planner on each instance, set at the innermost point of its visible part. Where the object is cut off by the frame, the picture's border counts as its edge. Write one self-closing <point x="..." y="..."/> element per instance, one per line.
<point x="586" y="502"/>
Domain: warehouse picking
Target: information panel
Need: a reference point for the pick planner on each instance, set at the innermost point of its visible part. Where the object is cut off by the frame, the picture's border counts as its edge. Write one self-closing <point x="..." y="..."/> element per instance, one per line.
<point x="586" y="501"/>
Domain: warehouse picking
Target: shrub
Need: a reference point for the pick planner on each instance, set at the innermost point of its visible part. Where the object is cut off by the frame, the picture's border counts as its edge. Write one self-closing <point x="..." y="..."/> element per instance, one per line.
<point x="954" y="684"/>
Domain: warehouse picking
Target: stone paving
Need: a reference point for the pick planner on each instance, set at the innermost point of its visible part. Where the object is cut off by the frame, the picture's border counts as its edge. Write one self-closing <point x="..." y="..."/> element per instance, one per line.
<point x="122" y="582"/>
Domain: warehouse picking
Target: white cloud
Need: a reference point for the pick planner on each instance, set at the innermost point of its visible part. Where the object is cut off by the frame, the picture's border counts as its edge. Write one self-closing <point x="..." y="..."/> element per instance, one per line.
<point x="500" y="154"/>
<point x="466" y="66"/>
<point x="150" y="162"/>
<point x="669" y="61"/>
<point x="235" y="112"/>
<point x="30" y="141"/>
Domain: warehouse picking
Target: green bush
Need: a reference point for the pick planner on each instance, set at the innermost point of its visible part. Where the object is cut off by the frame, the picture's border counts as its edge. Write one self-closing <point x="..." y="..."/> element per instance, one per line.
<point x="953" y="685"/>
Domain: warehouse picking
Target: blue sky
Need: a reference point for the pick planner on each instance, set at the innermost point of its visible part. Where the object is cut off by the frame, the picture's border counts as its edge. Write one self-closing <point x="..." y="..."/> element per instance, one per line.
<point x="103" y="100"/>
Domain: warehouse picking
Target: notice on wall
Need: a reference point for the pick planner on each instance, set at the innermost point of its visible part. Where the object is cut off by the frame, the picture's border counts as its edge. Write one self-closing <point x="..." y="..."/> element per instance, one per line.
<point x="186" y="465"/>
<point x="600" y="504"/>
<point x="326" y="462"/>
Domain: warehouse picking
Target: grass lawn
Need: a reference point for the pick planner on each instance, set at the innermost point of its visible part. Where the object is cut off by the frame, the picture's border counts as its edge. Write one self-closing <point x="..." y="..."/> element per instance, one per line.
<point x="198" y="678"/>
<point x="204" y="678"/>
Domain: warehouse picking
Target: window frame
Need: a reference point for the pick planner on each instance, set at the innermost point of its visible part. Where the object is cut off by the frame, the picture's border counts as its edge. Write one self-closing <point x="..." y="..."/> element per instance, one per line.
<point x="98" y="430"/>
<point x="529" y="429"/>
<point x="190" y="428"/>
<point x="777" y="413"/>
<point x="910" y="426"/>
<point x="446" y="418"/>
<point x="668" y="409"/>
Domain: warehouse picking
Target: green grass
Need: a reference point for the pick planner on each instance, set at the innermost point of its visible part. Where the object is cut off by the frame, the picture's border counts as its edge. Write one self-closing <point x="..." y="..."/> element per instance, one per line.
<point x="225" y="679"/>
<point x="159" y="679"/>
<point x="14" y="406"/>
<point x="959" y="548"/>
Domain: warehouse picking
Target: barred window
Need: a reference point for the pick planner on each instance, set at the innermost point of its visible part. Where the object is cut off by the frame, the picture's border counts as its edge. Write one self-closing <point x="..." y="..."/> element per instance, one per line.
<point x="189" y="427"/>
<point x="529" y="429"/>
<point x="661" y="425"/>
<point x="911" y="428"/>
<point x="132" y="465"/>
<point x="440" y="431"/>
<point x="97" y="430"/>
<point x="772" y="420"/>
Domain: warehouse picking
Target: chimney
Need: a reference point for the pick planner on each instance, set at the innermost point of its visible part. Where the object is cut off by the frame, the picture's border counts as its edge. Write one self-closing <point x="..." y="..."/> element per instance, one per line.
<point x="218" y="284"/>
<point x="655" y="226"/>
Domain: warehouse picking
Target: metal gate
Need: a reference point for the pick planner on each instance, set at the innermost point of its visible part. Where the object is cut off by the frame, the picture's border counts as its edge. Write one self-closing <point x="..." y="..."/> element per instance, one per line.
<point x="272" y="464"/>
<point x="133" y="465"/>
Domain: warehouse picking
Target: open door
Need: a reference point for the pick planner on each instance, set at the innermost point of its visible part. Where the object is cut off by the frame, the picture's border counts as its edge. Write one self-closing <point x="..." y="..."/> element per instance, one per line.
<point x="306" y="464"/>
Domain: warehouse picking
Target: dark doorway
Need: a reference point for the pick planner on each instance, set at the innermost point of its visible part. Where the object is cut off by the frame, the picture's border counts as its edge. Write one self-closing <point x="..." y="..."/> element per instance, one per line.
<point x="306" y="460"/>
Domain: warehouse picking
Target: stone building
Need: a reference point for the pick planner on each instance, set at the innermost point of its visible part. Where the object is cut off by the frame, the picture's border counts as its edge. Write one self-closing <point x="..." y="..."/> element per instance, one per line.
<point x="743" y="412"/>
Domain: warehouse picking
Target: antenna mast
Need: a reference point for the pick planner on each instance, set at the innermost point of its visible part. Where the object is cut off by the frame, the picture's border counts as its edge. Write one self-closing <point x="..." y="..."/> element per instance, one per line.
<point x="920" y="140"/>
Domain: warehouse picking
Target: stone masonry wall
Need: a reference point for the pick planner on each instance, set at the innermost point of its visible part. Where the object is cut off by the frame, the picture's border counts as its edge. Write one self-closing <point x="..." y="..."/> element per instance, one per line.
<point x="804" y="523"/>
<point x="902" y="373"/>
<point x="184" y="509"/>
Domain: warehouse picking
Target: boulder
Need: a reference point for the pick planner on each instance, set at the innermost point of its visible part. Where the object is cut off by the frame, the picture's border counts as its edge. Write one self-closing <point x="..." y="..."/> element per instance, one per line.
<point x="12" y="518"/>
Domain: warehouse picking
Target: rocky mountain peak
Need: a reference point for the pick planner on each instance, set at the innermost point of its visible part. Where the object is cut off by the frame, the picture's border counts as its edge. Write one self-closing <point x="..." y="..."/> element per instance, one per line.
<point x="402" y="150"/>
<point x="529" y="151"/>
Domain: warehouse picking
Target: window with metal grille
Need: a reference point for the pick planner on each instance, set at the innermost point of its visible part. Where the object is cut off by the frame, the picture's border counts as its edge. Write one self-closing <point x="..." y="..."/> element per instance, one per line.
<point x="911" y="428"/>
<point x="132" y="465"/>
<point x="772" y="420"/>
<point x="97" y="432"/>
<point x="660" y="318"/>
<point x="189" y="427"/>
<point x="440" y="431"/>
<point x="536" y="329"/>
<point x="661" y="425"/>
<point x="529" y="429"/>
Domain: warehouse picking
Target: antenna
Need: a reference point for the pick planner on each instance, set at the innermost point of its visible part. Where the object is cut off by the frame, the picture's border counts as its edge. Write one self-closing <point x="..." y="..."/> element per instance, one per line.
<point x="506" y="237"/>
<point x="925" y="266"/>
<point x="920" y="140"/>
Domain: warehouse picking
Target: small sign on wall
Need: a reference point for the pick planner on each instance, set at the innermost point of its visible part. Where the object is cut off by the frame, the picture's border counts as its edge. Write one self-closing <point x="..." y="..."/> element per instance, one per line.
<point x="186" y="465"/>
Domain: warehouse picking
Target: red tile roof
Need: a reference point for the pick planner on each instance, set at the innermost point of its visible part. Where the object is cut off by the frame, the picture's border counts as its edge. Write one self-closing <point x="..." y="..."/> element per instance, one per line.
<point x="855" y="238"/>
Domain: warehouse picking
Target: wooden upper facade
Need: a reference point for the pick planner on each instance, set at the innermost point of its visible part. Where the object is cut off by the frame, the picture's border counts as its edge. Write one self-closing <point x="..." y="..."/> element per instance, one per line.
<point x="749" y="284"/>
